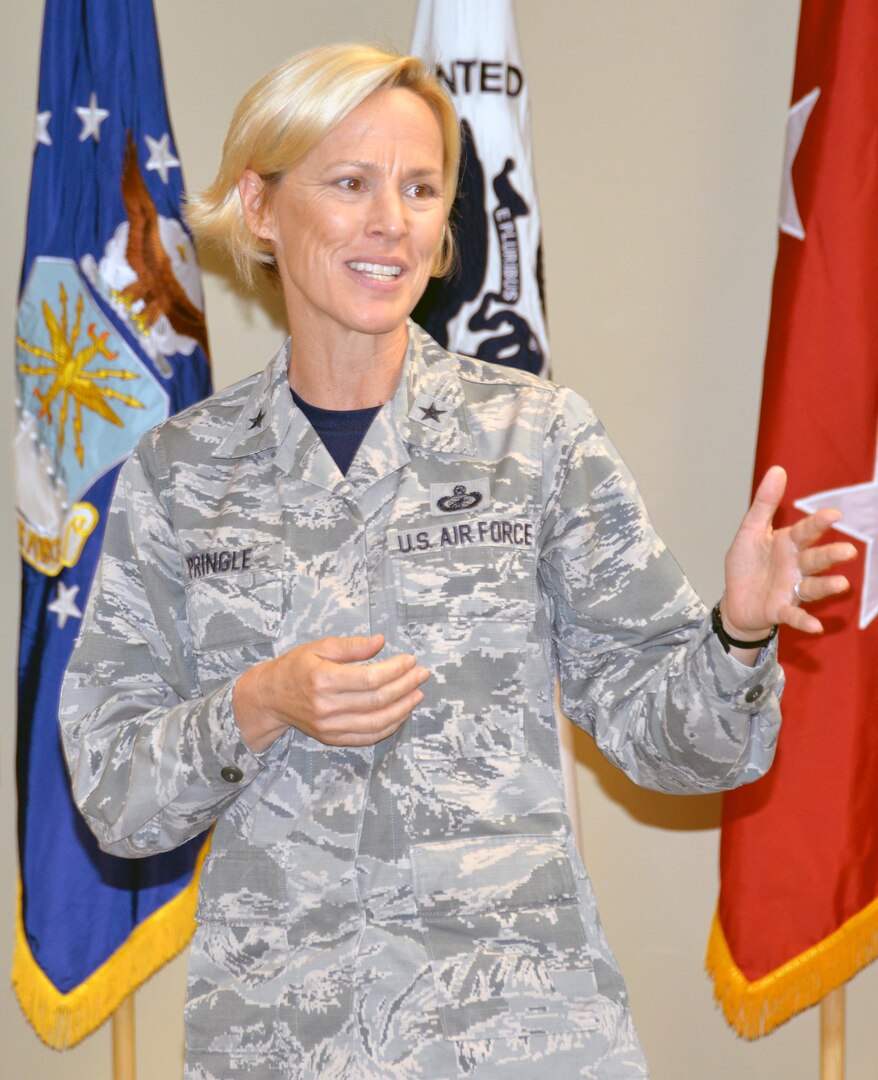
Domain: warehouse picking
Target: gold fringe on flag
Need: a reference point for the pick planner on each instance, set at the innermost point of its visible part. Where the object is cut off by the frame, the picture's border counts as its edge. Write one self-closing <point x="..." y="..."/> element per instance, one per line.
<point x="758" y="1007"/>
<point x="63" y="1020"/>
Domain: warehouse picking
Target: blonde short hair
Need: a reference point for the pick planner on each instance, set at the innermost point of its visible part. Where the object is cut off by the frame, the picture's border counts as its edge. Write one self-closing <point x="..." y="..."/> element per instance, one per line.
<point x="286" y="114"/>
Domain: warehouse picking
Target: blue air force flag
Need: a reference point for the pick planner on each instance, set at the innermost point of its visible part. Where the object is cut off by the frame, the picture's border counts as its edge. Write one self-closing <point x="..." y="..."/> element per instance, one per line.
<point x="110" y="338"/>
<point x="492" y="306"/>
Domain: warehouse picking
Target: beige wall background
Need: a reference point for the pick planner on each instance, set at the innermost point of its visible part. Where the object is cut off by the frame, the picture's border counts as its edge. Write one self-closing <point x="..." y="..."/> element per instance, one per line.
<point x="658" y="130"/>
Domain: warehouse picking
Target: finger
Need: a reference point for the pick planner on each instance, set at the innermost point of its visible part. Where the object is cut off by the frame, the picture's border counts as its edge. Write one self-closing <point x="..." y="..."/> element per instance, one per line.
<point x="366" y="729"/>
<point x="380" y="697"/>
<point x="808" y="530"/>
<point x="349" y="650"/>
<point x="799" y="619"/>
<point x="816" y="559"/>
<point x="335" y="678"/>
<point x="818" y="588"/>
<point x="767" y="499"/>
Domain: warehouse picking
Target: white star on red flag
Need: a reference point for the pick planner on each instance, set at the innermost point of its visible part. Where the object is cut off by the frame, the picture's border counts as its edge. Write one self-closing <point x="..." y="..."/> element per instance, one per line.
<point x="859" y="505"/>
<point x="789" y="220"/>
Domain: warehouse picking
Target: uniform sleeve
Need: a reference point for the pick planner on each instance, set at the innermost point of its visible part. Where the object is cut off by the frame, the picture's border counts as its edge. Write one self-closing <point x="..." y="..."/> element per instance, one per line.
<point x="639" y="666"/>
<point x="152" y="761"/>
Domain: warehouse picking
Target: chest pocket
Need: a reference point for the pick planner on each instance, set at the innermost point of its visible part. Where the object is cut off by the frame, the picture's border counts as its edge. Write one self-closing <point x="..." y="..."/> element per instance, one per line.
<point x="466" y="612"/>
<point x="234" y="620"/>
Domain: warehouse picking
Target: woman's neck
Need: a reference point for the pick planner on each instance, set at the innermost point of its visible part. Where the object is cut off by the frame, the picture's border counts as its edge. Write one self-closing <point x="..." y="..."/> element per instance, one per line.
<point x="353" y="371"/>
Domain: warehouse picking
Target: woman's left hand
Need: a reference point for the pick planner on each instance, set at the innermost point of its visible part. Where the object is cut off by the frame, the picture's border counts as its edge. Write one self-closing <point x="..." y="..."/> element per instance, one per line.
<point x="770" y="572"/>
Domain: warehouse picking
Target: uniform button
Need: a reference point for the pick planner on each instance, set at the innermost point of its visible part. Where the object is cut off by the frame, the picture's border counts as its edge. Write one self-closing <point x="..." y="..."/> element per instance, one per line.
<point x="753" y="694"/>
<point x="232" y="774"/>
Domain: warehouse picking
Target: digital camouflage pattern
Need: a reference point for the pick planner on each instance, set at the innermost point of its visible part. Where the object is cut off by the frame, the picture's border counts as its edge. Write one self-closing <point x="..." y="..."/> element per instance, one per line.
<point x="416" y="909"/>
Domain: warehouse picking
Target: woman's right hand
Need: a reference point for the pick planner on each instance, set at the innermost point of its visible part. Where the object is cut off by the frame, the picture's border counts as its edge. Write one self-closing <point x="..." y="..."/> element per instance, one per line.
<point x="324" y="689"/>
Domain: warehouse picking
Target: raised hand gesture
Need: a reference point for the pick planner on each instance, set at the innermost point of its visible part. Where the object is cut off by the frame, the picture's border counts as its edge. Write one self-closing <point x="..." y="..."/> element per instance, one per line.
<point x="771" y="572"/>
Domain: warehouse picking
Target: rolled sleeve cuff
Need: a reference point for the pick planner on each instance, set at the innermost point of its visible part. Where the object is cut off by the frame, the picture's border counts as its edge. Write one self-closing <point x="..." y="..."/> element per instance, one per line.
<point x="228" y="762"/>
<point x="747" y="689"/>
<point x="751" y="693"/>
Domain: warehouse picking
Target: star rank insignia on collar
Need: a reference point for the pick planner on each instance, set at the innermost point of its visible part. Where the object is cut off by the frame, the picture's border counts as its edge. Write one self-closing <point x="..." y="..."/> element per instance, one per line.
<point x="256" y="421"/>
<point x="432" y="412"/>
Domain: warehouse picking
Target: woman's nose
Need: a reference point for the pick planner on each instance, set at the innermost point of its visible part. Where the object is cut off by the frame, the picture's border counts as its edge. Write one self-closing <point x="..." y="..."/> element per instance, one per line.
<point x="387" y="216"/>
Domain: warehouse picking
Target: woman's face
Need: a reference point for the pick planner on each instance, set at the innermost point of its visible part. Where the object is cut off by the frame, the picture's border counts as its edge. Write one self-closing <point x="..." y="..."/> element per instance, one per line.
<point x="356" y="225"/>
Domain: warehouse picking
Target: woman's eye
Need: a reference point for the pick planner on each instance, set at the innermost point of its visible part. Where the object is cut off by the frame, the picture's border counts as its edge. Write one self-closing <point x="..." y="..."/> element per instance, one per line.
<point x="421" y="191"/>
<point x="351" y="183"/>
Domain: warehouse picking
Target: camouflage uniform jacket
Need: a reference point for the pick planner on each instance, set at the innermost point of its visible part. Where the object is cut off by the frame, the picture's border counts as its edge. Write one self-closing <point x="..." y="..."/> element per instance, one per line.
<point x="417" y="908"/>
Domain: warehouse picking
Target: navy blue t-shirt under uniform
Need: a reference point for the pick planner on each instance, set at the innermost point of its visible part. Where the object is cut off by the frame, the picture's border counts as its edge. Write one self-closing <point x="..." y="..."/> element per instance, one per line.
<point x="342" y="431"/>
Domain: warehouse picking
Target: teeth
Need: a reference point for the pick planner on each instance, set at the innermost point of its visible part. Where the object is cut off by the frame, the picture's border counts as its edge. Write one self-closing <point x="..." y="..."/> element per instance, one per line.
<point x="378" y="271"/>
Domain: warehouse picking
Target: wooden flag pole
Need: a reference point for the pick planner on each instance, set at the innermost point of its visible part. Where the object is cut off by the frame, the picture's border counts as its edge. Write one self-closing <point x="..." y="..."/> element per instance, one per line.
<point x="124" y="1063"/>
<point x="832" y="1035"/>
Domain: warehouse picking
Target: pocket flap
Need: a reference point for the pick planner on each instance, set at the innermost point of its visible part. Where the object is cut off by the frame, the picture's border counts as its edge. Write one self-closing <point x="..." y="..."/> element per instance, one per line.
<point x="242" y="887"/>
<point x="486" y="873"/>
<point x="466" y="583"/>
<point x="237" y="609"/>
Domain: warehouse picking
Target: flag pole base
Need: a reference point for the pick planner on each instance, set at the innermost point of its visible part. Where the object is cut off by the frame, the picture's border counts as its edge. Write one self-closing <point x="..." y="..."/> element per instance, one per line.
<point x="832" y="1032"/>
<point x="124" y="1051"/>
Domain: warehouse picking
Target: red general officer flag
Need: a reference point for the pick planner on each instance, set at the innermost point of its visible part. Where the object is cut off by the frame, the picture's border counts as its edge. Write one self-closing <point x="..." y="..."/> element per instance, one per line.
<point x="798" y="913"/>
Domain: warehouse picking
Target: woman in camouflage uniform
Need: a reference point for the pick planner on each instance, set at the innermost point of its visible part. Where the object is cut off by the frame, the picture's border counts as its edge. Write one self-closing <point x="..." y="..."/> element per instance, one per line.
<point x="331" y="622"/>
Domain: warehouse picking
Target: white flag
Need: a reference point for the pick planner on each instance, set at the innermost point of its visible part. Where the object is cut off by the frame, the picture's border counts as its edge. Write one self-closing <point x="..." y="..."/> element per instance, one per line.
<point x="491" y="307"/>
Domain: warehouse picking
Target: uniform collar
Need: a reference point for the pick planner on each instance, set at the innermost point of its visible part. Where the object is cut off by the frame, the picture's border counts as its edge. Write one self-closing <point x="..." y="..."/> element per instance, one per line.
<point x="428" y="410"/>
<point x="265" y="418"/>
<point x="429" y="406"/>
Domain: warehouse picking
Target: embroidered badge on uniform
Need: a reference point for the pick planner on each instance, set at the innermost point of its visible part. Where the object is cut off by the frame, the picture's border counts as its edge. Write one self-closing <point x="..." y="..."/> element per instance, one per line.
<point x="460" y="496"/>
<point x="432" y="412"/>
<point x="218" y="562"/>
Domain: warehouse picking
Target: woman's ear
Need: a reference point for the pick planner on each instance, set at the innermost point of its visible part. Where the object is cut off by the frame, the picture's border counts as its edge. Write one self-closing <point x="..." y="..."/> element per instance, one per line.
<point x="254" y="204"/>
